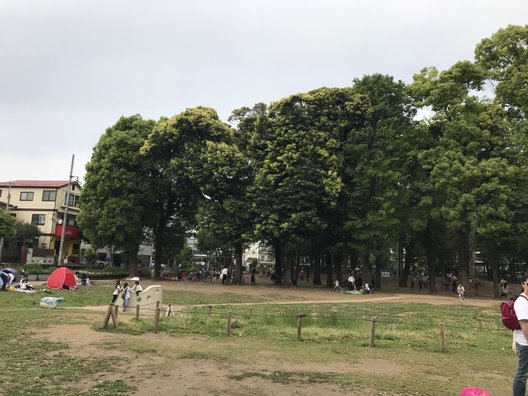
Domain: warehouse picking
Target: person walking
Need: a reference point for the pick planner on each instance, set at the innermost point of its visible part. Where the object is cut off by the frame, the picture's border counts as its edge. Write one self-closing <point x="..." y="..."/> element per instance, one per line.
<point x="521" y="341"/>
<point x="461" y="291"/>
<point x="117" y="289"/>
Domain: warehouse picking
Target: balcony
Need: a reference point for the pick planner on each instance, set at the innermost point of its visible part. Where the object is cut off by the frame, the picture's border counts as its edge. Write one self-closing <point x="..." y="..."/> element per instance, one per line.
<point x="71" y="232"/>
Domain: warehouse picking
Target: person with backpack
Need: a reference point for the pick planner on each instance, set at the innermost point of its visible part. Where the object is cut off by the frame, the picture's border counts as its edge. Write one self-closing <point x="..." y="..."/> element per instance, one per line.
<point x="521" y="339"/>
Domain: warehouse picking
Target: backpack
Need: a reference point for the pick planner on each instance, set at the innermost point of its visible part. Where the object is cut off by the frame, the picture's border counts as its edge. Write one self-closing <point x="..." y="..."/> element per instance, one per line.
<point x="508" y="316"/>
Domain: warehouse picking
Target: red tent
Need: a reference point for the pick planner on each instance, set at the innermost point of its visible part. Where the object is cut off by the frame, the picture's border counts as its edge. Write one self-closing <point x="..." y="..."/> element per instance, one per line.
<point x="60" y="277"/>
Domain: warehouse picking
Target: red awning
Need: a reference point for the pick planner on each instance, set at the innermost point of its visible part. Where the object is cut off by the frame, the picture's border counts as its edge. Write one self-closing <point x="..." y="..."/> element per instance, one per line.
<point x="71" y="232"/>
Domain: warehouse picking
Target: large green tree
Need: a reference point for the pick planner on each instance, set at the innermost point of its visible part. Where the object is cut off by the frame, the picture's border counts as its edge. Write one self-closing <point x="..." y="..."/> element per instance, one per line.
<point x="176" y="149"/>
<point x="375" y="173"/>
<point x="470" y="178"/>
<point x="297" y="180"/>
<point x="116" y="200"/>
<point x="224" y="175"/>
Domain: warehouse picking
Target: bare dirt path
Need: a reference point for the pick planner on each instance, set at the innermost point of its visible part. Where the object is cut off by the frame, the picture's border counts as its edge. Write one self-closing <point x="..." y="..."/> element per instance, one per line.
<point x="161" y="364"/>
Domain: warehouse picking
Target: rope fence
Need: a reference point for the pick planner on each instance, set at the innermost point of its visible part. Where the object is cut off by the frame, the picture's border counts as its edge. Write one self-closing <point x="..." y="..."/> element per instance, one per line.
<point x="299" y="320"/>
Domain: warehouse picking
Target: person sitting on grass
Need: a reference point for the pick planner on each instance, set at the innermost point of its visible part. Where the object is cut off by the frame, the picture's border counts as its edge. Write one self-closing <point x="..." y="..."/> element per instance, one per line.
<point x="338" y="288"/>
<point x="366" y="288"/>
<point x="24" y="284"/>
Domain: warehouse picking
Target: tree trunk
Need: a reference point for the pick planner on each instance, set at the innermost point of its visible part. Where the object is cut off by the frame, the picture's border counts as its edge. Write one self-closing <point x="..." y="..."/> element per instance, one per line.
<point x="377" y="275"/>
<point x="366" y="262"/>
<point x="316" y="270"/>
<point x="238" y="263"/>
<point x="399" y="259"/>
<point x="278" y="263"/>
<point x="407" y="264"/>
<point x="339" y="266"/>
<point x="431" y="270"/>
<point x="158" y="246"/>
<point x="495" y="265"/>
<point x="133" y="260"/>
<point x="329" y="270"/>
<point x="288" y="265"/>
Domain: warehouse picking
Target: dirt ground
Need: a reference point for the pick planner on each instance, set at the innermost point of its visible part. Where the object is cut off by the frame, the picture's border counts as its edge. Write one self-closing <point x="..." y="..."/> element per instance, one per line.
<point x="161" y="364"/>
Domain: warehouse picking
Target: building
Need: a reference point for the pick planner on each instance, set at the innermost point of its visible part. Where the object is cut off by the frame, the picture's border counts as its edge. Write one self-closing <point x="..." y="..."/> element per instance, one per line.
<point x="43" y="203"/>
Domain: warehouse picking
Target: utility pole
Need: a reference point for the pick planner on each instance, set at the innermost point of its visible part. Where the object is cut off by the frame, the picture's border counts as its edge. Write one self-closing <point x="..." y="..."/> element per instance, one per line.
<point x="65" y="219"/>
<point x="6" y="210"/>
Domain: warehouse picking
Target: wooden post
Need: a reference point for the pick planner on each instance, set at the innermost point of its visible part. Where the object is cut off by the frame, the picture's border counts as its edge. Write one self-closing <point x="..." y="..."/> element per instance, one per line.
<point x="372" y="332"/>
<point x="116" y="309"/>
<point x="229" y="315"/>
<point x="169" y="310"/>
<point x="299" y="326"/>
<point x="157" y="318"/>
<point x="442" y="338"/>
<point x="481" y="327"/>
<point x="137" y="312"/>
<point x="107" y="316"/>
<point x="114" y="316"/>
<point x="210" y="310"/>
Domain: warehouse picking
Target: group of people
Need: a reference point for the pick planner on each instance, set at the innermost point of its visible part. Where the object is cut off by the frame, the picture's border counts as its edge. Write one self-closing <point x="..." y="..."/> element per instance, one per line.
<point x="8" y="278"/>
<point x="125" y="292"/>
<point x="355" y="283"/>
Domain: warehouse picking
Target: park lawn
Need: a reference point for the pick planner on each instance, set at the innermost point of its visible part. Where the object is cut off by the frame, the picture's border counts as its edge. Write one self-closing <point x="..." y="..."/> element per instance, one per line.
<point x="334" y="348"/>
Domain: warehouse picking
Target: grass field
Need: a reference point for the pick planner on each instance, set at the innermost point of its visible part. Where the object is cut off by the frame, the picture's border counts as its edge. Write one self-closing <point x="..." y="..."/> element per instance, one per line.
<point x="261" y="357"/>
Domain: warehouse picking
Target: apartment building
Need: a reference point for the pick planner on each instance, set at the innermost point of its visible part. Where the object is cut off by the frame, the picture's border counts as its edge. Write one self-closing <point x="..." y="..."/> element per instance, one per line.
<point x="43" y="203"/>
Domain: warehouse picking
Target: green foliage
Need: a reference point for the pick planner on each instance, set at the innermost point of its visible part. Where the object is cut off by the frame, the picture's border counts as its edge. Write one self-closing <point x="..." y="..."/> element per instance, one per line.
<point x="25" y="233"/>
<point x="7" y="225"/>
<point x="117" y="194"/>
<point x="504" y="56"/>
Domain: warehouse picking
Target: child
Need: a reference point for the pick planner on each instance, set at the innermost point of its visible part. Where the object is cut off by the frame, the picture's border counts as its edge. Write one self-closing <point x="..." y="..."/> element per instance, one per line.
<point x="461" y="291"/>
<point x="126" y="296"/>
<point x="137" y="288"/>
<point x="117" y="289"/>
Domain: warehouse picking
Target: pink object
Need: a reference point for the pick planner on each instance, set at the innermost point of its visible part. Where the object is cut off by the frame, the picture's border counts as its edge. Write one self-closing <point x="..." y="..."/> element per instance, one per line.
<point x="473" y="391"/>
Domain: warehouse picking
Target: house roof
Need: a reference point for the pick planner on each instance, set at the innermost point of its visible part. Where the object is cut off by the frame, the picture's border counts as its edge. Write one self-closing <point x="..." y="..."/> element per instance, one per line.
<point x="36" y="183"/>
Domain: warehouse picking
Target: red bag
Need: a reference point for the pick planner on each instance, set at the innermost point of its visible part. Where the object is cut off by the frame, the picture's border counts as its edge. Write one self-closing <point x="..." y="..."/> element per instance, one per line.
<point x="508" y="316"/>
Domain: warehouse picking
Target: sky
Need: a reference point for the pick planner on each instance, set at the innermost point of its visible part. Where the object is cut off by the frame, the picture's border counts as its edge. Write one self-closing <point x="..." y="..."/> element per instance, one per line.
<point x="70" y="68"/>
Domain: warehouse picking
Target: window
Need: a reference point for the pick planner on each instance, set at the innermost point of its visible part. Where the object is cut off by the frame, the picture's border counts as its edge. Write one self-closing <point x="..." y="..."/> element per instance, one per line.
<point x="26" y="196"/>
<point x="49" y="195"/>
<point x="72" y="200"/>
<point x="38" y="219"/>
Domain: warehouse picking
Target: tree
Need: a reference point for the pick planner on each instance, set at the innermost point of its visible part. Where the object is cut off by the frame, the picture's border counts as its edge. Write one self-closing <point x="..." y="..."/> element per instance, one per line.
<point x="504" y="56"/>
<point x="224" y="175"/>
<point x="376" y="174"/>
<point x="25" y="233"/>
<point x="297" y="181"/>
<point x="117" y="195"/>
<point x="470" y="178"/>
<point x="175" y="149"/>
<point x="7" y="225"/>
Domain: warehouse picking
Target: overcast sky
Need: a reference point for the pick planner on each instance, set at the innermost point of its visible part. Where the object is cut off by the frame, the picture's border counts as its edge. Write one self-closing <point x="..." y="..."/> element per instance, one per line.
<point x="69" y="69"/>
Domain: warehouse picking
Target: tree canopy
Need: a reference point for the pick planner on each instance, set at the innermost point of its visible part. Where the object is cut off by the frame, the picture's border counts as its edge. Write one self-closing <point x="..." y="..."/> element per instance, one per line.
<point x="341" y="176"/>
